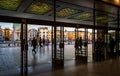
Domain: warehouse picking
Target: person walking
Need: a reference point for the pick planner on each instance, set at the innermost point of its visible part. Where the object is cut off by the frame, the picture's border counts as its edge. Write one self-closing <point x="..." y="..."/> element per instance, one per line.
<point x="43" y="41"/>
<point x="76" y="44"/>
<point x="40" y="42"/>
<point x="34" y="44"/>
<point x="80" y="43"/>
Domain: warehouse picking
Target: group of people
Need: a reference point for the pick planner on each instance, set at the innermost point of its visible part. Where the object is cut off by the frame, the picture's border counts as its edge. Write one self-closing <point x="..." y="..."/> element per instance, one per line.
<point x="41" y="42"/>
<point x="99" y="49"/>
<point x="100" y="46"/>
<point x="78" y="43"/>
<point x="13" y="43"/>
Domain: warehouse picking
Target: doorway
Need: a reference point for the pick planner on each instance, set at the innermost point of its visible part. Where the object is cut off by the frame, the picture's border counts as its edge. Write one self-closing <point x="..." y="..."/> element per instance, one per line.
<point x="41" y="56"/>
<point x="71" y="53"/>
<point x="81" y="44"/>
<point x="69" y="50"/>
<point x="113" y="49"/>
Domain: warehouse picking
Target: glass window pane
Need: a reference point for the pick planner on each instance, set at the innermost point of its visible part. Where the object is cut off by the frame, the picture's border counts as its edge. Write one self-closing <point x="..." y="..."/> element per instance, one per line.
<point x="10" y="48"/>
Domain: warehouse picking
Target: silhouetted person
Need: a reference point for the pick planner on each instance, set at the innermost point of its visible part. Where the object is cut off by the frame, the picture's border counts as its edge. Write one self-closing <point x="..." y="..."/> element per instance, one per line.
<point x="29" y="41"/>
<point x="34" y="44"/>
<point x="40" y="42"/>
<point x="80" y="43"/>
<point x="76" y="44"/>
<point x="99" y="46"/>
<point x="43" y="41"/>
<point x="112" y="46"/>
<point x="9" y="42"/>
<point x="47" y="41"/>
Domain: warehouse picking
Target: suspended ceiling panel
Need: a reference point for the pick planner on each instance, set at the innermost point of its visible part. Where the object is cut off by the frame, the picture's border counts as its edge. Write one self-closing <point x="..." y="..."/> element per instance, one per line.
<point x="10" y="4"/>
<point x="66" y="12"/>
<point x="83" y="16"/>
<point x="39" y="7"/>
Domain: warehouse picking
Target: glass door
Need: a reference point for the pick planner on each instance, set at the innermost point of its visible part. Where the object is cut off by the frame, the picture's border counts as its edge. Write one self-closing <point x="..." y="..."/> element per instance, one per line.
<point x="90" y="45"/>
<point x="81" y="42"/>
<point x="100" y="45"/>
<point x="112" y="43"/>
<point x="69" y="50"/>
<point x="24" y="48"/>
<point x="58" y="51"/>
<point x="39" y="47"/>
<point x="10" y="50"/>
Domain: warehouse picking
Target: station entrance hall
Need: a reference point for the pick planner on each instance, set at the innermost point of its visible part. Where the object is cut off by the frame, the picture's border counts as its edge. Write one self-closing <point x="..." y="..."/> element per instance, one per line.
<point x="59" y="37"/>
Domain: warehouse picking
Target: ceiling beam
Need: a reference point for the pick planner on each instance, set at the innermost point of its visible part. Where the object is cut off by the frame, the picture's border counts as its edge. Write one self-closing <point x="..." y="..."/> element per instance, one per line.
<point x="25" y="4"/>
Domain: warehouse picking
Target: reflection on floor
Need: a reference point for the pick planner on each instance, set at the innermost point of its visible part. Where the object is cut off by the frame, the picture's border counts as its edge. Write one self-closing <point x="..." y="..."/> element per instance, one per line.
<point x="105" y="68"/>
<point x="37" y="63"/>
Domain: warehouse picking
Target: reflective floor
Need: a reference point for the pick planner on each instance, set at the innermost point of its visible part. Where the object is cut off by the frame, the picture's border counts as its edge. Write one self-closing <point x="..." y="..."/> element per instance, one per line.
<point x="105" y="68"/>
<point x="39" y="64"/>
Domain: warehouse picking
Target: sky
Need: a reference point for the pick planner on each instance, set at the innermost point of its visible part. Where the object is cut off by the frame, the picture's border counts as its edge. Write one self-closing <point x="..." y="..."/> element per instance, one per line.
<point x="10" y="25"/>
<point x="6" y="25"/>
<point x="37" y="26"/>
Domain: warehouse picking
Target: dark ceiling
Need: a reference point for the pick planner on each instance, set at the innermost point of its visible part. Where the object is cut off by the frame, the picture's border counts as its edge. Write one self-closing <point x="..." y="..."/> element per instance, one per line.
<point x="70" y="11"/>
<point x="114" y="2"/>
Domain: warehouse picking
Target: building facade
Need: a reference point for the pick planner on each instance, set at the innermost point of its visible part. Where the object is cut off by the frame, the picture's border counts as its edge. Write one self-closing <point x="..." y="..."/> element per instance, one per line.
<point x="32" y="33"/>
<point x="43" y="32"/>
<point x="16" y="31"/>
<point x="1" y="34"/>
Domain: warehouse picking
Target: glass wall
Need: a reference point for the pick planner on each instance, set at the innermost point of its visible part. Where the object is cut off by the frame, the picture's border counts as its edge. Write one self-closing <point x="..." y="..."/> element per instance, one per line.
<point x="49" y="39"/>
<point x="100" y="45"/>
<point x="112" y="43"/>
<point x="90" y="45"/>
<point x="105" y="18"/>
<point x="39" y="47"/>
<point x="58" y="47"/>
<point x="69" y="41"/>
<point x="10" y="50"/>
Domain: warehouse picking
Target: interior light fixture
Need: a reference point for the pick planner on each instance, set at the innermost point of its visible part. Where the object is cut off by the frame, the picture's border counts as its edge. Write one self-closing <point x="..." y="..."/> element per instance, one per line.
<point x="116" y="2"/>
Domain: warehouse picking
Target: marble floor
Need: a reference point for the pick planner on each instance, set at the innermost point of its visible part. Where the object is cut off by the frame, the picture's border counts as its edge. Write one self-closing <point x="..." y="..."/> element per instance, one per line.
<point x="105" y="68"/>
<point x="40" y="64"/>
